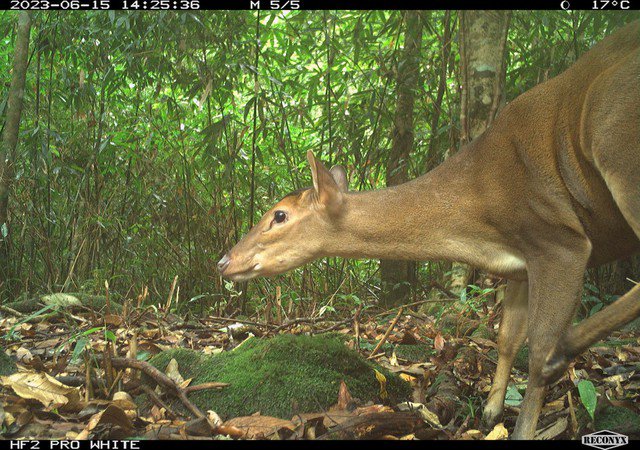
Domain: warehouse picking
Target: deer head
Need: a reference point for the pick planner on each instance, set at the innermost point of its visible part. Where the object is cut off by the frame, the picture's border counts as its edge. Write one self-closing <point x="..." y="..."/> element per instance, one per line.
<point x="294" y="231"/>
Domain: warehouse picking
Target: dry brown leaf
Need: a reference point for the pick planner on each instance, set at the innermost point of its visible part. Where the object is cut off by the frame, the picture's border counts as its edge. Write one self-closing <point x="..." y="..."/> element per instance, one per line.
<point x="112" y="415"/>
<point x="158" y="414"/>
<point x="123" y="400"/>
<point x="499" y="433"/>
<point x="471" y="435"/>
<point x="43" y="388"/>
<point x="49" y="343"/>
<point x="554" y="406"/>
<point x="344" y="397"/>
<point x="24" y="356"/>
<point x="113" y="319"/>
<point x="438" y="342"/>
<point x="408" y="378"/>
<point x="258" y="426"/>
<point x="173" y="372"/>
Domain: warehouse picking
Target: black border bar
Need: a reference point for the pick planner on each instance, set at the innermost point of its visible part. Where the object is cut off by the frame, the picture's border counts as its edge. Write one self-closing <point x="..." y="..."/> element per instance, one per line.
<point x="273" y="5"/>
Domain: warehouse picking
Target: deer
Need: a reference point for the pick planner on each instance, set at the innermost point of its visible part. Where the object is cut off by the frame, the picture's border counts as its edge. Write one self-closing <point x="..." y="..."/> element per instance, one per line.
<point x="550" y="189"/>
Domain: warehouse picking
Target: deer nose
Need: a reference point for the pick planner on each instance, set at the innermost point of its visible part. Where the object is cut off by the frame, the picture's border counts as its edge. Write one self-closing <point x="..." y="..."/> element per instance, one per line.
<point x="223" y="263"/>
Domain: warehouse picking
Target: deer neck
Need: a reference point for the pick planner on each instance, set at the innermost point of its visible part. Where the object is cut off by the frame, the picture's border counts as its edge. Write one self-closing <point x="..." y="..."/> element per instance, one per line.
<point x="430" y="218"/>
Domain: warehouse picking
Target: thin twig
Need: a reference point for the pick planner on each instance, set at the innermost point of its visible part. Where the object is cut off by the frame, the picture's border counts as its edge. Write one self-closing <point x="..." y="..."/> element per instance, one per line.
<point x="243" y="321"/>
<point x="203" y="386"/>
<point x="356" y="325"/>
<point x="387" y="333"/>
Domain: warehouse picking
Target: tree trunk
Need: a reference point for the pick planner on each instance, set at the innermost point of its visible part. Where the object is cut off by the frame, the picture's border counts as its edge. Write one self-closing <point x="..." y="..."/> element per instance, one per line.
<point x="398" y="276"/>
<point x="10" y="140"/>
<point x="483" y="36"/>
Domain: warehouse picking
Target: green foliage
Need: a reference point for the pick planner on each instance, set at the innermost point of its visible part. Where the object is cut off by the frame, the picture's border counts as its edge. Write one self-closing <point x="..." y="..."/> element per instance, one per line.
<point x="281" y="376"/>
<point x="513" y="397"/>
<point x="588" y="396"/>
<point x="137" y="139"/>
<point x="594" y="300"/>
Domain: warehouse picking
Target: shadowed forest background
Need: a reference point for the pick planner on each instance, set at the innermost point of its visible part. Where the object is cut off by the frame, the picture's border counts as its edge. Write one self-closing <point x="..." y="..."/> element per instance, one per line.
<point x="149" y="143"/>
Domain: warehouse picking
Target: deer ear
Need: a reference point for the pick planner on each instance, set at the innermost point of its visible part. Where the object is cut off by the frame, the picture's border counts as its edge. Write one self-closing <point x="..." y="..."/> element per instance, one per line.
<point x="339" y="175"/>
<point x="313" y="164"/>
<point x="325" y="185"/>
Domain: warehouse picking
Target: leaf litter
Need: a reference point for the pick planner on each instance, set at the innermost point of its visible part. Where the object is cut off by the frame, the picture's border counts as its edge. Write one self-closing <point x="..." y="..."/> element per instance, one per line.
<point x="73" y="381"/>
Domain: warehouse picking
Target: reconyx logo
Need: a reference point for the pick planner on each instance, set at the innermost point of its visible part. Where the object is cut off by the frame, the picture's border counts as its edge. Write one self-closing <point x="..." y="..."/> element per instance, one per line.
<point x="605" y="439"/>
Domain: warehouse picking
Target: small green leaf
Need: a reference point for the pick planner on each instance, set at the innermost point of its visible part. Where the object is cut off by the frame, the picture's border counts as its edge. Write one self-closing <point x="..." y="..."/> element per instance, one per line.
<point x="109" y="335"/>
<point x="77" y="350"/>
<point x="588" y="396"/>
<point x="513" y="396"/>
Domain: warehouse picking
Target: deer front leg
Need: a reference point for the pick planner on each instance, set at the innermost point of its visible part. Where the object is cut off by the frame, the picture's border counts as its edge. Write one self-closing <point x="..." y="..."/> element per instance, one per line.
<point x="555" y="283"/>
<point x="511" y="335"/>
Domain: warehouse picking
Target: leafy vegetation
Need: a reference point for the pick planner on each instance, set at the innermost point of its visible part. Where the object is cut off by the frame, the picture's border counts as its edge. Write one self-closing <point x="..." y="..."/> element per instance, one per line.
<point x="150" y="142"/>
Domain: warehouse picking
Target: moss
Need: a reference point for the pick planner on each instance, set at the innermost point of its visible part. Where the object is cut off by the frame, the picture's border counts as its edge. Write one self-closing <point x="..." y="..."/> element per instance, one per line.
<point x="7" y="365"/>
<point x="416" y="352"/>
<point x="618" y="419"/>
<point x="281" y="376"/>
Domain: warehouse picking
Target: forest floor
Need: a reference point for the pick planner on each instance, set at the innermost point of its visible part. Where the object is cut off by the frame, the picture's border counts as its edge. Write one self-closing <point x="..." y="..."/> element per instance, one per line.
<point x="78" y="377"/>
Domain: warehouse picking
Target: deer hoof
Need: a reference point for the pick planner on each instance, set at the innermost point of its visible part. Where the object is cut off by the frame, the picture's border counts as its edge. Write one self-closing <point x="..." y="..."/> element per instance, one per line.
<point x="491" y="415"/>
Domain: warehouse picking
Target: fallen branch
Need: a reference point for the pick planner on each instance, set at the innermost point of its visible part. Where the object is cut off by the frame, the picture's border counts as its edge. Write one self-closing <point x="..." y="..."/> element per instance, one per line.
<point x="158" y="377"/>
<point x="334" y="326"/>
<point x="11" y="311"/>
<point x="243" y="321"/>
<point x="375" y="425"/>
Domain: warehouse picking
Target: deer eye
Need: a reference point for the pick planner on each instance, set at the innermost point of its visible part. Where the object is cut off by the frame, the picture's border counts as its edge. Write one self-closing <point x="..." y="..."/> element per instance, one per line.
<point x="280" y="216"/>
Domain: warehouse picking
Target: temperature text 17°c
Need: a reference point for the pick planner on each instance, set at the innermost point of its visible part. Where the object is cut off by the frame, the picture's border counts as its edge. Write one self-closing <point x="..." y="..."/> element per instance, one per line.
<point x="611" y="4"/>
<point x="274" y="4"/>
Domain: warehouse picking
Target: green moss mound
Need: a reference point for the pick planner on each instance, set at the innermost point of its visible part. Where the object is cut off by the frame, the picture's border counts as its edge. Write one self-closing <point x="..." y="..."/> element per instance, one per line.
<point x="415" y="352"/>
<point x="7" y="366"/>
<point x="618" y="419"/>
<point x="281" y="376"/>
